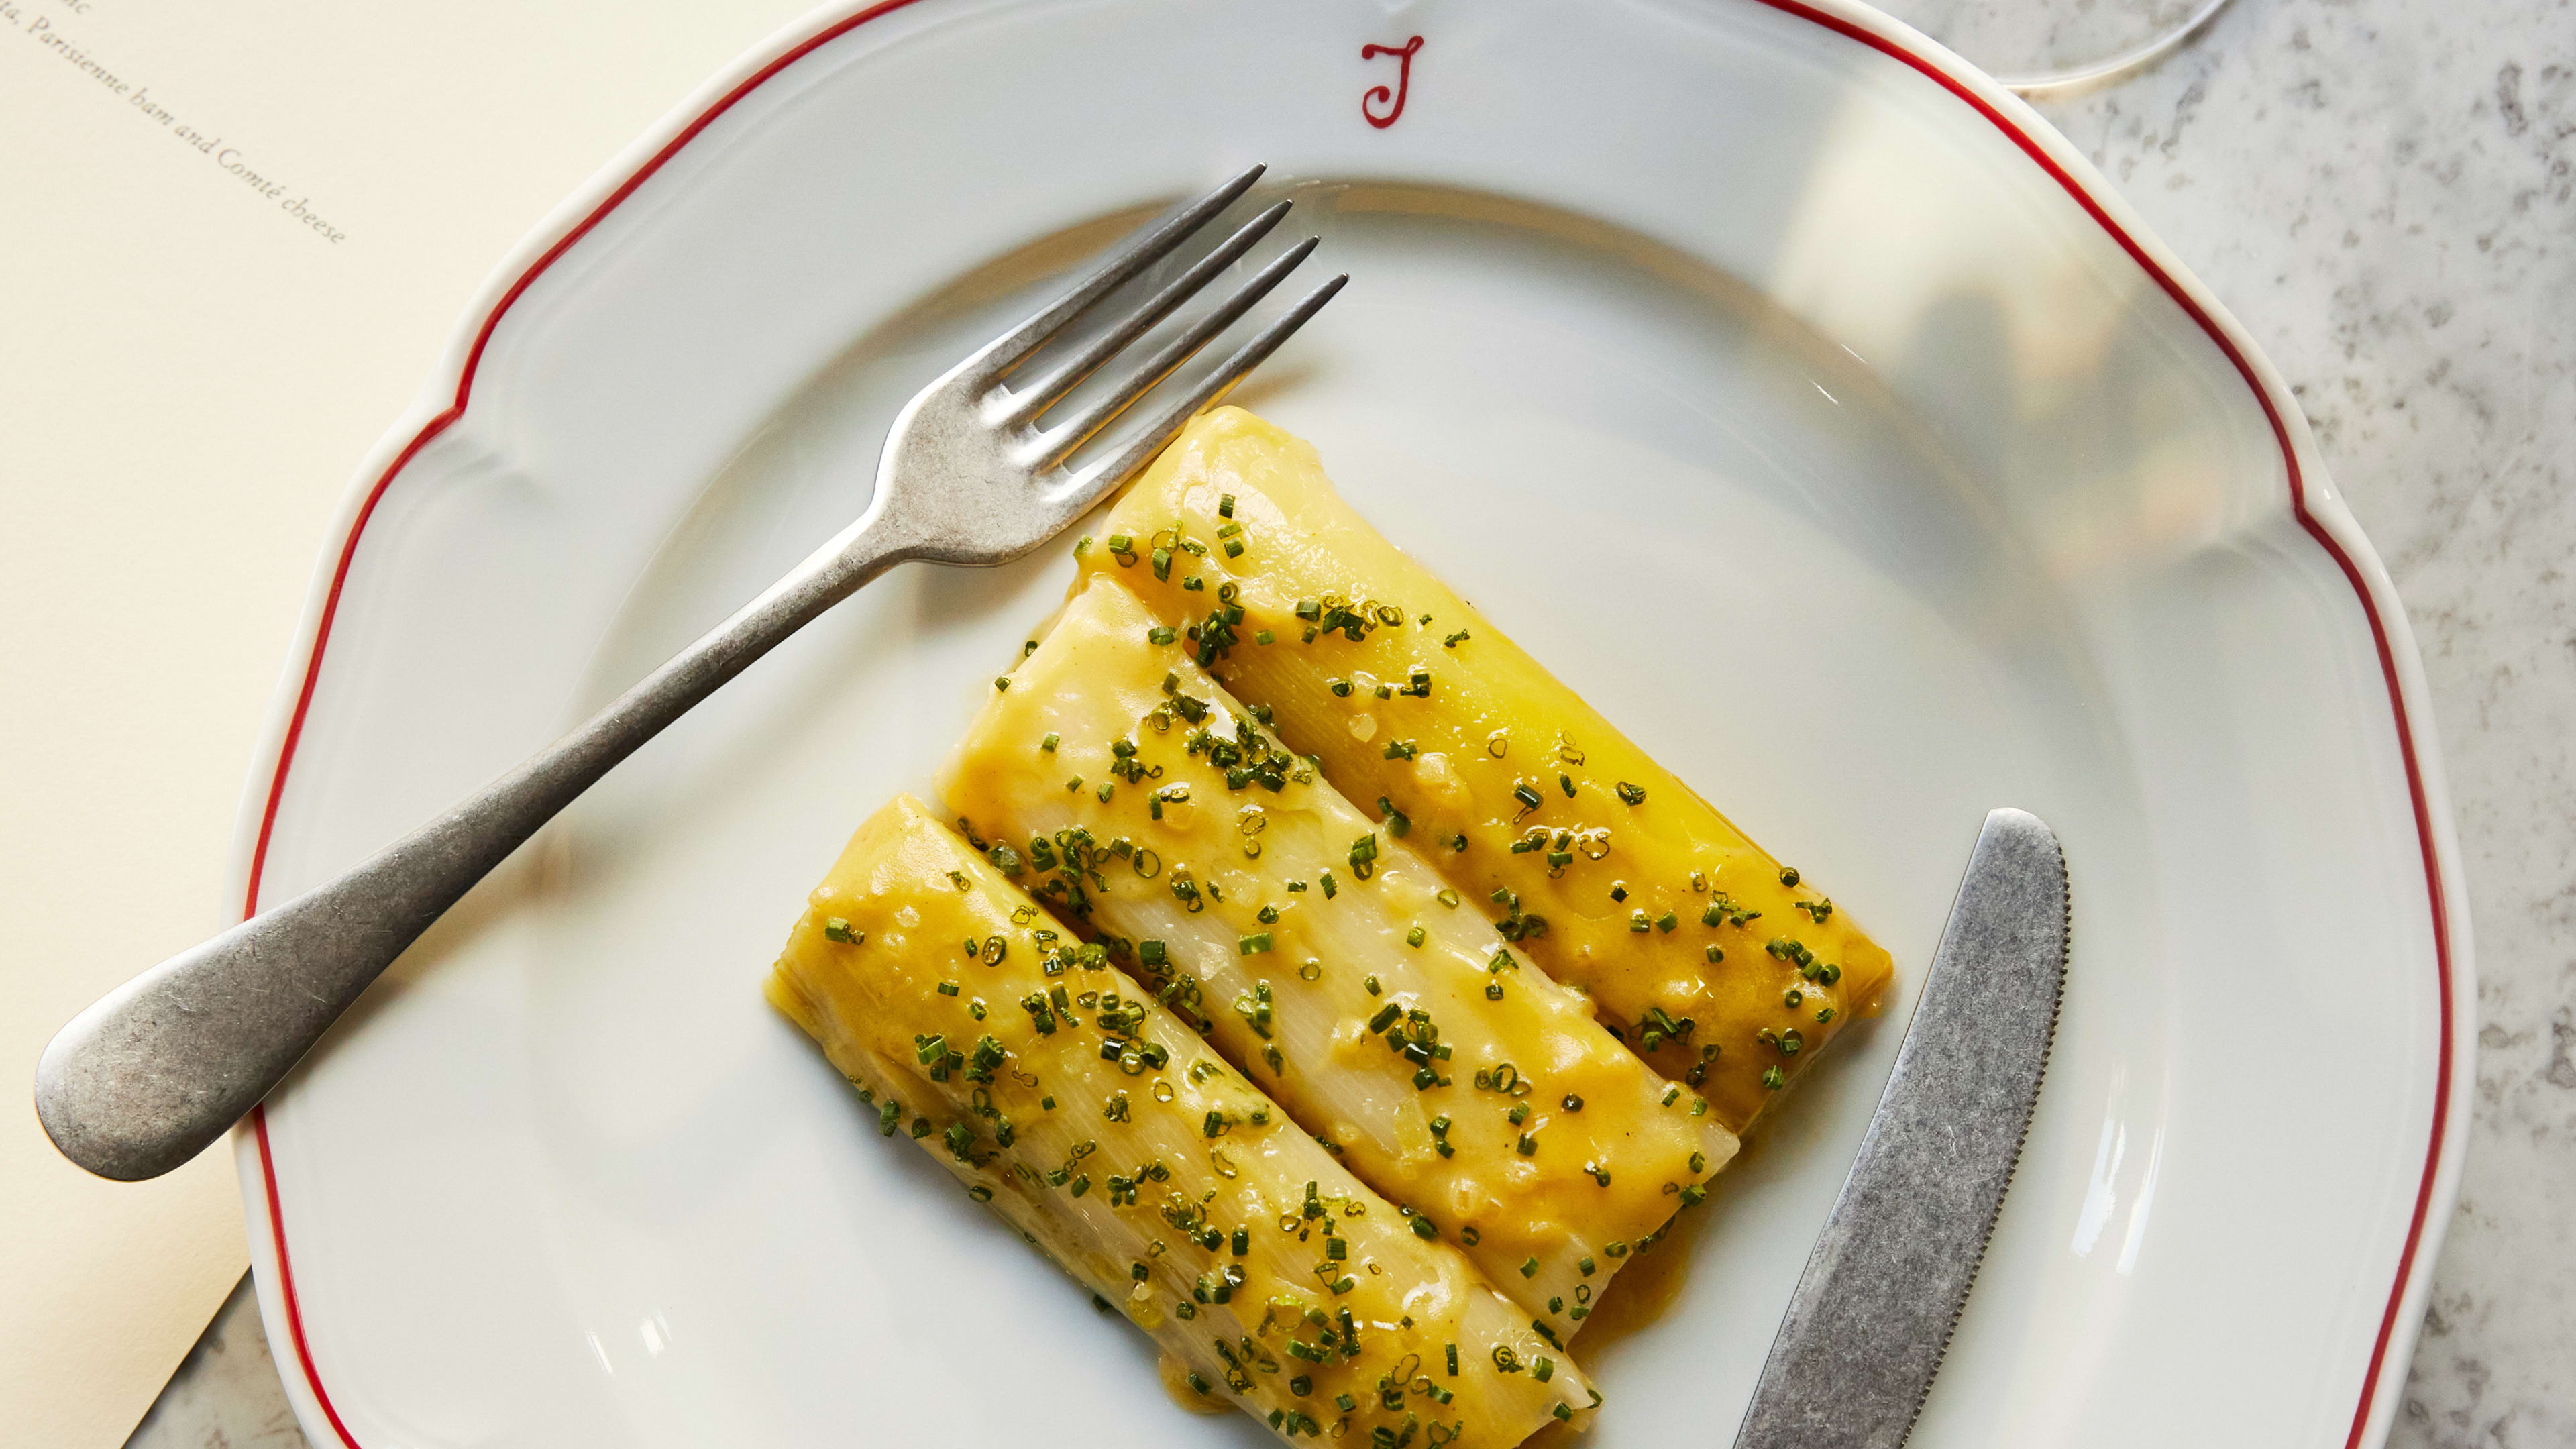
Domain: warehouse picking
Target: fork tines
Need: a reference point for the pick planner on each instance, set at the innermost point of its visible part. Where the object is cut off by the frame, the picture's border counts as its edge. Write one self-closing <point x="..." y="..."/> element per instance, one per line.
<point x="1018" y="408"/>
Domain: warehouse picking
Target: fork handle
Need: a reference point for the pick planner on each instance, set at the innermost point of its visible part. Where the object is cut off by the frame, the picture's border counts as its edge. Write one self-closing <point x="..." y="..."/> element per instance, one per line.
<point x="153" y="1072"/>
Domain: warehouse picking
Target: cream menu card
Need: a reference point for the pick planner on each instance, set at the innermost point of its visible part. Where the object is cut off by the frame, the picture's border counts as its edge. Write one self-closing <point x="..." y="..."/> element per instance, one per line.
<point x="233" y="234"/>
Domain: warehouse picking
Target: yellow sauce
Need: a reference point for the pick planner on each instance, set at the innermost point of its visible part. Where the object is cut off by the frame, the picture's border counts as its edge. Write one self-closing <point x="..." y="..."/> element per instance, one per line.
<point x="1011" y="1114"/>
<point x="1553" y="1436"/>
<point x="1176" y="1383"/>
<point x="1538" y="1199"/>
<point x="1726" y="970"/>
<point x="1644" y="1290"/>
<point x="1636" y="1300"/>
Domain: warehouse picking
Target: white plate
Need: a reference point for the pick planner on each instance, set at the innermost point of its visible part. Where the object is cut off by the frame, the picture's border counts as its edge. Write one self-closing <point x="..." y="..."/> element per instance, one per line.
<point x="1794" y="392"/>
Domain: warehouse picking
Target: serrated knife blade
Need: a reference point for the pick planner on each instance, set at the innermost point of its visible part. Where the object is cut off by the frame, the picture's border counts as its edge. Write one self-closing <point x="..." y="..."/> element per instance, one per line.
<point x="1867" y="1328"/>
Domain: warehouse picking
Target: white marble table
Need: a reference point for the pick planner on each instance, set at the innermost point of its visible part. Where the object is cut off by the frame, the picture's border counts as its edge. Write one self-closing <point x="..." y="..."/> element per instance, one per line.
<point x="2381" y="190"/>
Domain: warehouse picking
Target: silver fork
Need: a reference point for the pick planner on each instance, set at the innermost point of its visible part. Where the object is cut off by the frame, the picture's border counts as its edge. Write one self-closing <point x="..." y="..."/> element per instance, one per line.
<point x="155" y="1070"/>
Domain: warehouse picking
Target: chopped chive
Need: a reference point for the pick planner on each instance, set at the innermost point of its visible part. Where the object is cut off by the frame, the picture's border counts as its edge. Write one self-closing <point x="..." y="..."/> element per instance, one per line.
<point x="1397" y="823"/>
<point x="837" y="929"/>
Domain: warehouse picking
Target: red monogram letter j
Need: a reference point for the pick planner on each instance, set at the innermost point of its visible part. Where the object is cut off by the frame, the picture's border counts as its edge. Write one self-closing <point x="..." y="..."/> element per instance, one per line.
<point x="1392" y="100"/>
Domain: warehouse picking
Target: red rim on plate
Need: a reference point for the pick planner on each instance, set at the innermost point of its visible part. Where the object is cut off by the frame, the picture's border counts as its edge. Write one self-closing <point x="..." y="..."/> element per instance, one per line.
<point x="1925" y="65"/>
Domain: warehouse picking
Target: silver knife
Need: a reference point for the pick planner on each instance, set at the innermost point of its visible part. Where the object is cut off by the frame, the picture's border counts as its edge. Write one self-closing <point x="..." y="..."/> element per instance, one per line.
<point x="1872" y="1316"/>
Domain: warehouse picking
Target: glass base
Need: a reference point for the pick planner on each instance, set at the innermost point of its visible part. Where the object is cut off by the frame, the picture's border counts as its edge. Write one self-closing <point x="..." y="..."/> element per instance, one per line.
<point x="2036" y="45"/>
